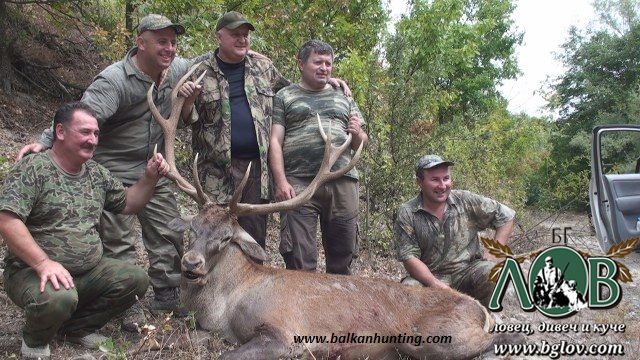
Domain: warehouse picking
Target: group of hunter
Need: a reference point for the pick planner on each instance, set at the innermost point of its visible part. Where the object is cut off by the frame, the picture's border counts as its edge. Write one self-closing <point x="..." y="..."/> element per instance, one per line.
<point x="67" y="207"/>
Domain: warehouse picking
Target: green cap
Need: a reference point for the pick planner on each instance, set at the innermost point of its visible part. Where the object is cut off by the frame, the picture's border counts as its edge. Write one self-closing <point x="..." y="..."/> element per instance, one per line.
<point x="157" y="22"/>
<point x="232" y="20"/>
<point x="430" y="161"/>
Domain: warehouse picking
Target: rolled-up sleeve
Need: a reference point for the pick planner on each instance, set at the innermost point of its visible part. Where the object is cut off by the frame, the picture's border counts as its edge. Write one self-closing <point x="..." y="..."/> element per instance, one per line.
<point x="490" y="213"/>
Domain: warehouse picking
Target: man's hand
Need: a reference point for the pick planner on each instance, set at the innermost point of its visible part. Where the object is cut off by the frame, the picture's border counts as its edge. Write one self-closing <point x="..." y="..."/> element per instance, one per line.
<point x="336" y="83"/>
<point x="157" y="167"/>
<point x="49" y="270"/>
<point x="27" y="149"/>
<point x="353" y="126"/>
<point x="190" y="90"/>
<point x="284" y="192"/>
<point x="436" y="283"/>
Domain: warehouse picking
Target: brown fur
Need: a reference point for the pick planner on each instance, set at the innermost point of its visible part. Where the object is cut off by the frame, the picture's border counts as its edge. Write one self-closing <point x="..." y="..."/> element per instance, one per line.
<point x="263" y="308"/>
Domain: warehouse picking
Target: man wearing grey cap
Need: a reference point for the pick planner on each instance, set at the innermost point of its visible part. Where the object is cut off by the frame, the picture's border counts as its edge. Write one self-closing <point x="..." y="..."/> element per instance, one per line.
<point x="128" y="134"/>
<point x="436" y="233"/>
<point x="232" y="122"/>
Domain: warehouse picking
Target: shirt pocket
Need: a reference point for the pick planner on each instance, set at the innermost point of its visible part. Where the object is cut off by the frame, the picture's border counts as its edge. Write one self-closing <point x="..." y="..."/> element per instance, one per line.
<point x="211" y="104"/>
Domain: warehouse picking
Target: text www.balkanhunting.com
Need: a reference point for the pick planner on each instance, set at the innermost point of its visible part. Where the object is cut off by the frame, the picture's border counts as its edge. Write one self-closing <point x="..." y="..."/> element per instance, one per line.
<point x="353" y="338"/>
<point x="556" y="350"/>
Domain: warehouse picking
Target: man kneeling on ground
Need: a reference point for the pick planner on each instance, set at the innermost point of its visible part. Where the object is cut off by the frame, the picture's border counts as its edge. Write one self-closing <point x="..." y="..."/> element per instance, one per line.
<point x="436" y="233"/>
<point x="50" y="208"/>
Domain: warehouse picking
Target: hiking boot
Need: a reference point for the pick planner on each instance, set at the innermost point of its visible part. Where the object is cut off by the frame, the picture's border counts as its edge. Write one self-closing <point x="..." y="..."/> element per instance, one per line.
<point x="90" y="341"/>
<point x="133" y="318"/>
<point x="166" y="300"/>
<point x="35" y="352"/>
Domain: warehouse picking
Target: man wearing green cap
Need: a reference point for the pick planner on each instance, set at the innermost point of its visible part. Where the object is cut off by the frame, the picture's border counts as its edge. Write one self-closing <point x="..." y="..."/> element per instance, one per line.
<point x="436" y="233"/>
<point x="232" y="122"/>
<point x="128" y="134"/>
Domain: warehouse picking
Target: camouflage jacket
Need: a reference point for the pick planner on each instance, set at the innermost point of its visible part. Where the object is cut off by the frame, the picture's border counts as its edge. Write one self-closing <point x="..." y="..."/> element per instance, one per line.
<point x="61" y="211"/>
<point x="211" y="123"/>
<point x="450" y="245"/>
<point x="128" y="131"/>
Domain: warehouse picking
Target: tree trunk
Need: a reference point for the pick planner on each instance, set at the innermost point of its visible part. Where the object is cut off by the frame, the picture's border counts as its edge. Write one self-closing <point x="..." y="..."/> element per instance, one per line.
<point x="6" y="69"/>
<point x="128" y="15"/>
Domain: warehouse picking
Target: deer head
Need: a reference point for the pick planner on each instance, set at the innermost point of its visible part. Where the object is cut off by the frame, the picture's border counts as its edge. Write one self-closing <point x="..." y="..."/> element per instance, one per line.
<point x="216" y="226"/>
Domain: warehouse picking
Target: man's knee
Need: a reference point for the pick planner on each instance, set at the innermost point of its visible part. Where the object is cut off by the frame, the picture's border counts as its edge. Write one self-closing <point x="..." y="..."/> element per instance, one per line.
<point x="138" y="281"/>
<point x="127" y="280"/>
<point x="57" y="305"/>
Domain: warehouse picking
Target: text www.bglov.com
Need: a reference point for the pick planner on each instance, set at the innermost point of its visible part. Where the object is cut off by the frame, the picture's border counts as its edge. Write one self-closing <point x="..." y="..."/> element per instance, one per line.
<point x="353" y="338"/>
<point x="555" y="350"/>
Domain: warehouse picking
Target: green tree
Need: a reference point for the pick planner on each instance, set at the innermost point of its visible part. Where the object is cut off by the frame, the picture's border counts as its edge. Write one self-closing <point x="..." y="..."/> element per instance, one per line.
<point x="600" y="86"/>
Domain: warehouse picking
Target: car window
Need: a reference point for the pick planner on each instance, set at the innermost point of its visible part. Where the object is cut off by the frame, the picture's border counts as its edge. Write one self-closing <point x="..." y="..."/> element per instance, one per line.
<point x="620" y="152"/>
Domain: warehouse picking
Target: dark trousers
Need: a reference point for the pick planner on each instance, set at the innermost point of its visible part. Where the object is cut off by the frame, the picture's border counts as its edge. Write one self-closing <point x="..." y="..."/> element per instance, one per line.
<point x="98" y="296"/>
<point x="336" y="204"/>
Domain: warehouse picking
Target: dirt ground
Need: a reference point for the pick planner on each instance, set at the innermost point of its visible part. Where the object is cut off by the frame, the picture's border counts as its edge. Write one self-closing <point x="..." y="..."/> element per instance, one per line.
<point x="178" y="340"/>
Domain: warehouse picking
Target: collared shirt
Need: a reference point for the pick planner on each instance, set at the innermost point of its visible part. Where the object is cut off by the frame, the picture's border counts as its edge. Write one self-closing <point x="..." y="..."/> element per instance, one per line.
<point x="211" y="123"/>
<point x="128" y="131"/>
<point x="449" y="245"/>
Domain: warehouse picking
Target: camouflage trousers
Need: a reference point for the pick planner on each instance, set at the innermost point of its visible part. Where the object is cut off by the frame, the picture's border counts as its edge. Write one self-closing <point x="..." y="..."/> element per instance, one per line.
<point x="164" y="246"/>
<point x="255" y="225"/>
<point x="336" y="203"/>
<point x="99" y="295"/>
<point x="473" y="280"/>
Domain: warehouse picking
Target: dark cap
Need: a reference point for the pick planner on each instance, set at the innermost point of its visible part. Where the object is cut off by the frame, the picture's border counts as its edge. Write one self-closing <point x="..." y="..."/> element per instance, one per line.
<point x="157" y="22"/>
<point x="232" y="20"/>
<point x="429" y="162"/>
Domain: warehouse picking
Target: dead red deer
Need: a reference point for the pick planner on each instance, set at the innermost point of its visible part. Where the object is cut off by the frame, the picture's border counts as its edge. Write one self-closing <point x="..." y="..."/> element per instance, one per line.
<point x="264" y="308"/>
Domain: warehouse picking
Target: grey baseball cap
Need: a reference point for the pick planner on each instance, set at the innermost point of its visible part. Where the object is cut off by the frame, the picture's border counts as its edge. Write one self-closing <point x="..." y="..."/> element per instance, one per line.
<point x="157" y="22"/>
<point x="430" y="161"/>
<point x="232" y="20"/>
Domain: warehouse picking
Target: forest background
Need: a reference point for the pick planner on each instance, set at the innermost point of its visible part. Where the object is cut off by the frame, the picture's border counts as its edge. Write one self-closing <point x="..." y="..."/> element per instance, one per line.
<point x="428" y="86"/>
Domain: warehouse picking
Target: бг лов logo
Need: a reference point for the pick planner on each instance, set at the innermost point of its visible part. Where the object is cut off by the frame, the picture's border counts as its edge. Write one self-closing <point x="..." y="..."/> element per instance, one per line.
<point x="561" y="280"/>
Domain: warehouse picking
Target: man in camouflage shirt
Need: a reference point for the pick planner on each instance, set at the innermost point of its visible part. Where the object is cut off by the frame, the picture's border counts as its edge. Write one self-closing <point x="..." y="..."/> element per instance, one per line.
<point x="295" y="156"/>
<point x="232" y="122"/>
<point x="436" y="233"/>
<point x="50" y="208"/>
<point x="129" y="134"/>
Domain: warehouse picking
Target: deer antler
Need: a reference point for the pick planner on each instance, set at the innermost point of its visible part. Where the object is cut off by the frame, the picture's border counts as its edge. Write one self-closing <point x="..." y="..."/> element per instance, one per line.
<point x="169" y="127"/>
<point x="331" y="155"/>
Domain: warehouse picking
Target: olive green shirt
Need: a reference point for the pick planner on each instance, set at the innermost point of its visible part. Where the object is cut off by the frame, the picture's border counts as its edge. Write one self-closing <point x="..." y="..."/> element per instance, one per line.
<point x="128" y="131"/>
<point x="61" y="210"/>
<point x="449" y="245"/>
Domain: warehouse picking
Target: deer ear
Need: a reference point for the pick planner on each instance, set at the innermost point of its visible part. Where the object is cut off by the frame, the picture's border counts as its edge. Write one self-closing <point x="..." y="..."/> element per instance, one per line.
<point x="248" y="245"/>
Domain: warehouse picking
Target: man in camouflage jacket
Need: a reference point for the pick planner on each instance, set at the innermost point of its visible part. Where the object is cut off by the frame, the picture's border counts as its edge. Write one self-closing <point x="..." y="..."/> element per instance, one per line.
<point x="436" y="233"/>
<point x="50" y="207"/>
<point x="232" y="120"/>
<point x="231" y="123"/>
